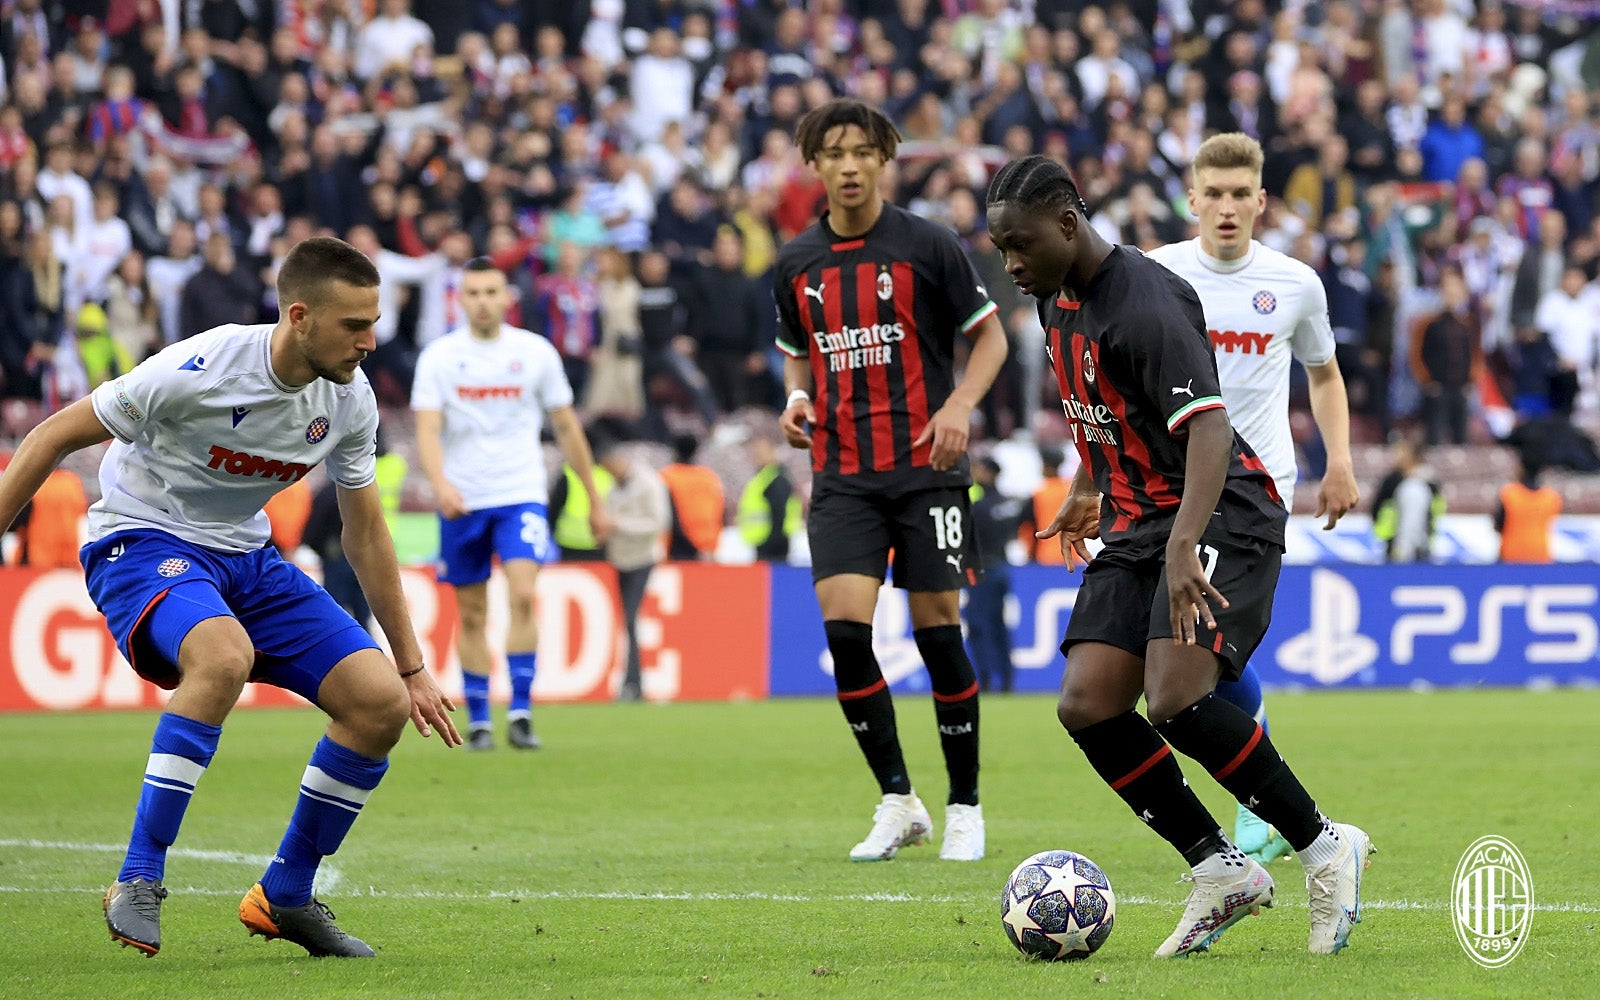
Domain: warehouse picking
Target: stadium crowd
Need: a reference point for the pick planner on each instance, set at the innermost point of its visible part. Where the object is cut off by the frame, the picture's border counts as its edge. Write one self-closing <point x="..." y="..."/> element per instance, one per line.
<point x="630" y="164"/>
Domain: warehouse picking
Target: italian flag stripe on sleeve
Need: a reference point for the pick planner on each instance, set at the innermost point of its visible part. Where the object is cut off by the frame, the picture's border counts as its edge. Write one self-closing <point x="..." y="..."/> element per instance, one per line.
<point x="985" y="310"/>
<point x="1203" y="403"/>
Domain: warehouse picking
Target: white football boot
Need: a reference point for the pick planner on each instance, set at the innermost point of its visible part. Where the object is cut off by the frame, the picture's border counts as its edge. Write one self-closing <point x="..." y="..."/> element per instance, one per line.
<point x="1224" y="893"/>
<point x="963" y="833"/>
<point x="899" y="821"/>
<point x="1335" y="890"/>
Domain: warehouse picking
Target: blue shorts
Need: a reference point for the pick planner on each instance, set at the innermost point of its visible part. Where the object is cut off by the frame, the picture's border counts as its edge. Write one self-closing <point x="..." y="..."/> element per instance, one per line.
<point x="154" y="588"/>
<point x="469" y="543"/>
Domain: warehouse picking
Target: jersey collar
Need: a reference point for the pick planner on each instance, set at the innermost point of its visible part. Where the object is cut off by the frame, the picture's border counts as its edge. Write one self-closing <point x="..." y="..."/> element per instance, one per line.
<point x="1221" y="266"/>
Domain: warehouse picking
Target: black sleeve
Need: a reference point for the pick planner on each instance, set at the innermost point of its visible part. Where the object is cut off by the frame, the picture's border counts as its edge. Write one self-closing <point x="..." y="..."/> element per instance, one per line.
<point x="1385" y="493"/>
<point x="323" y="524"/>
<point x="968" y="299"/>
<point x="1500" y="517"/>
<point x="1165" y="338"/>
<point x="791" y="339"/>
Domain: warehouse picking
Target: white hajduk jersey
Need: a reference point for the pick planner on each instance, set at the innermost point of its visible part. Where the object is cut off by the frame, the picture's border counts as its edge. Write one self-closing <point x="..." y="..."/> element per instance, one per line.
<point x="206" y="435"/>
<point x="1259" y="310"/>
<point x="492" y="396"/>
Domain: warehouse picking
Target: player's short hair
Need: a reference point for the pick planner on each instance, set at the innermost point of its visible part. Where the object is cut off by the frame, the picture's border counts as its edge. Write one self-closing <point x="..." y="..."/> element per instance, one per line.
<point x="1036" y="182"/>
<point x="479" y="264"/>
<point x="819" y="121"/>
<point x="1229" y="150"/>
<point x="316" y="263"/>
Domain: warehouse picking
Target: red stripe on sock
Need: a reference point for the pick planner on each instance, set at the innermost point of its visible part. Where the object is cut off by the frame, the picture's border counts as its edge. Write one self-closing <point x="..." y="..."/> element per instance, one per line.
<point x="1133" y="775"/>
<point x="1216" y="647"/>
<point x="1255" y="738"/>
<point x="963" y="696"/>
<point x="870" y="689"/>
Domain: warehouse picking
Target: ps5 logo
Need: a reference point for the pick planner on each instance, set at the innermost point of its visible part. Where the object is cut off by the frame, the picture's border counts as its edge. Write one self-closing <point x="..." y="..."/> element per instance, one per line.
<point x="1333" y="648"/>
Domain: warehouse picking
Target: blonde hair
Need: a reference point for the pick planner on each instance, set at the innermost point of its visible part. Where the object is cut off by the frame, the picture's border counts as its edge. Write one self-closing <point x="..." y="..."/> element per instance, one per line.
<point x="1229" y="150"/>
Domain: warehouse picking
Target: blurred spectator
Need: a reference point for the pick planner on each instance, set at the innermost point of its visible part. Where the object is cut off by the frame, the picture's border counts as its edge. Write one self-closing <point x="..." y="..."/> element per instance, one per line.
<point x="641" y="513"/>
<point x="769" y="509"/>
<point x="623" y="203"/>
<point x="730" y="320"/>
<point x="1525" y="516"/>
<point x="1449" y="142"/>
<point x="168" y="274"/>
<point x="1446" y="354"/>
<point x="50" y="528"/>
<point x="698" y="503"/>
<point x="131" y="310"/>
<point x="1569" y="315"/>
<point x="288" y="511"/>
<point x="1407" y="506"/>
<point x="616" y="385"/>
<point x="995" y="519"/>
<point x="1046" y="501"/>
<point x="567" y="307"/>
<point x="390" y="40"/>
<point x="669" y="368"/>
<point x="99" y="247"/>
<point x="323" y="534"/>
<point x="219" y="293"/>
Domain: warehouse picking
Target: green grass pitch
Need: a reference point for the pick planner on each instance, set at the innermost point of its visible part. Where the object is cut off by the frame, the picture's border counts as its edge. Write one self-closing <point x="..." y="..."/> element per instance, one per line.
<point x="699" y="851"/>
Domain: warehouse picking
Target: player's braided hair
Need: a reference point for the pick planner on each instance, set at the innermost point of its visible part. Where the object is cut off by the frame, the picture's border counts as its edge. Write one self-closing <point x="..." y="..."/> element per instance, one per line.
<point x="1036" y="182"/>
<point x="819" y="121"/>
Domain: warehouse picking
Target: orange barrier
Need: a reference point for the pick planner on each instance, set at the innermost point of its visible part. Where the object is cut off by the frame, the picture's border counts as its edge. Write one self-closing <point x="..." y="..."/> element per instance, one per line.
<point x="703" y="635"/>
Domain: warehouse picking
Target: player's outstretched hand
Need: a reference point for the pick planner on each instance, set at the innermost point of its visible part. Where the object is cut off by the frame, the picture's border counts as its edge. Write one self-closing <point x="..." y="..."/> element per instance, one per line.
<point x="430" y="708"/>
<point x="1338" y="495"/>
<point x="1077" y="521"/>
<point x="948" y="430"/>
<point x="1190" y="595"/>
<point x="797" y="417"/>
<point x="451" y="503"/>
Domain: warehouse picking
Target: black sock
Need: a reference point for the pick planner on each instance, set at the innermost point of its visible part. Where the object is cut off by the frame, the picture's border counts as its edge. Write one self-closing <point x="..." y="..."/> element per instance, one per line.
<point x="955" y="706"/>
<point x="1130" y="756"/>
<point x="868" y="707"/>
<point x="1233" y="747"/>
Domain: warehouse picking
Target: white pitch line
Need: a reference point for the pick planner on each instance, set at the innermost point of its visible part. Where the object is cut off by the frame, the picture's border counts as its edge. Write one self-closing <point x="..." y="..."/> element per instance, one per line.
<point x="695" y="897"/>
<point x="328" y="876"/>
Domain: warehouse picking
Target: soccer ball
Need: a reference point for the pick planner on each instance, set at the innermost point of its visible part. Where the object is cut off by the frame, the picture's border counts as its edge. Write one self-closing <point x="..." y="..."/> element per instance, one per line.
<point x="1058" y="905"/>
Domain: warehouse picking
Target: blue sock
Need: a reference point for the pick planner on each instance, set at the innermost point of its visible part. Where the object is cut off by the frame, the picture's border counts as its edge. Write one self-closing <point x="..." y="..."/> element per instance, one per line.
<point x="336" y="785"/>
<point x="1245" y="695"/>
<point x="476" y="688"/>
<point x="180" y="751"/>
<point x="522" y="666"/>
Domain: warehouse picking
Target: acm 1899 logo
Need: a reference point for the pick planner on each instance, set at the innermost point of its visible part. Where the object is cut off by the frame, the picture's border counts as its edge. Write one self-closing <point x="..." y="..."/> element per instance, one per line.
<point x="1492" y="901"/>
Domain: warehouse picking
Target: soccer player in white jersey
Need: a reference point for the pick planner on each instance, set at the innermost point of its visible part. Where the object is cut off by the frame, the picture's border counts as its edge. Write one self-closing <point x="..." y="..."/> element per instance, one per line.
<point x="178" y="562"/>
<point x="1262" y="308"/>
<point x="481" y="394"/>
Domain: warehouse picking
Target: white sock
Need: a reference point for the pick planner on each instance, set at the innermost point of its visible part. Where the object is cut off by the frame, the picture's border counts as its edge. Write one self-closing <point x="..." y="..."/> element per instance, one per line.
<point x="1322" y="850"/>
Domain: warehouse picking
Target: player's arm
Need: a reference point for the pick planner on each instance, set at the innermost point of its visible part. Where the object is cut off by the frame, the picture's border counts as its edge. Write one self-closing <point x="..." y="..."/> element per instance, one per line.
<point x="430" y="455"/>
<point x="371" y="553"/>
<point x="575" y="448"/>
<point x="1314" y="345"/>
<point x="1330" y="407"/>
<point x="798" y="414"/>
<point x="1078" y="519"/>
<point x="1206" y="460"/>
<point x="949" y="428"/>
<point x="43" y="449"/>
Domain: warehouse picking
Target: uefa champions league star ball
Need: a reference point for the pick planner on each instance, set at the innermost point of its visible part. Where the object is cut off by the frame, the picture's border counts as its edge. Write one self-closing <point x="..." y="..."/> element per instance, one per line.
<point x="1058" y="905"/>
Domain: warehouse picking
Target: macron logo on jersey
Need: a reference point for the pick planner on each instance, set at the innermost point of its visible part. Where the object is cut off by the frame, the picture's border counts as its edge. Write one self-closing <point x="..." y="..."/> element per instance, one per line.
<point x="194" y="364"/>
<point x="1240" y="341"/>
<point x="481" y="392"/>
<point x="238" y="463"/>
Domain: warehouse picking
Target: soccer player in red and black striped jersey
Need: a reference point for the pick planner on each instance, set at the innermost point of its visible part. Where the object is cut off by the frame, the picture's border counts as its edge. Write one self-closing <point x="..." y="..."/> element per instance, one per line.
<point x="870" y="302"/>
<point x="1188" y="514"/>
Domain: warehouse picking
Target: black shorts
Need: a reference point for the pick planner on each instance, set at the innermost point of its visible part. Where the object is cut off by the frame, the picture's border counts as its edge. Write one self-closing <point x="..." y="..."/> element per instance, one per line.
<point x="929" y="531"/>
<point x="1123" y="599"/>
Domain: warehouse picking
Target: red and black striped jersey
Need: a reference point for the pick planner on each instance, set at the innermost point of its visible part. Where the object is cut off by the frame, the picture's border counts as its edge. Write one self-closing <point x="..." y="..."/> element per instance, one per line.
<point x="1134" y="362"/>
<point x="877" y="316"/>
